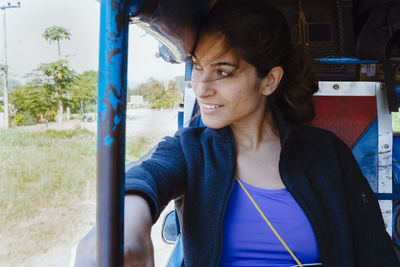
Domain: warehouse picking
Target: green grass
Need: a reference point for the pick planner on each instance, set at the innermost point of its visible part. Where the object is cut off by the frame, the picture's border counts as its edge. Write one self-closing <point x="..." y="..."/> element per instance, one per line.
<point x="39" y="166"/>
<point x="47" y="180"/>
<point x="36" y="166"/>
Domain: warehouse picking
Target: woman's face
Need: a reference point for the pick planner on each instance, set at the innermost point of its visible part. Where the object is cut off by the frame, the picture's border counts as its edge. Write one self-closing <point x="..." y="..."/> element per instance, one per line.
<point x="227" y="88"/>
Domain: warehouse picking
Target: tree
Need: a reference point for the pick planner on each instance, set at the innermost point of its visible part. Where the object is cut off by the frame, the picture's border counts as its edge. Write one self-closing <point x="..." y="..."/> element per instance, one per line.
<point x="84" y="90"/>
<point x="44" y="93"/>
<point x="33" y="102"/>
<point x="160" y="97"/>
<point x="56" y="33"/>
<point x="59" y="77"/>
<point x="152" y="90"/>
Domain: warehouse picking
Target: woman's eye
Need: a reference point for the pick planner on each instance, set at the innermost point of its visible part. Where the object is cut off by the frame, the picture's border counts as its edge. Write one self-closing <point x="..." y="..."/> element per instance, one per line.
<point x="224" y="73"/>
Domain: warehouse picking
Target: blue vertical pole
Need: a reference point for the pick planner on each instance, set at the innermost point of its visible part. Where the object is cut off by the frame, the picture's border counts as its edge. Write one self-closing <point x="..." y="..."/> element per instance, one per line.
<point x="113" y="55"/>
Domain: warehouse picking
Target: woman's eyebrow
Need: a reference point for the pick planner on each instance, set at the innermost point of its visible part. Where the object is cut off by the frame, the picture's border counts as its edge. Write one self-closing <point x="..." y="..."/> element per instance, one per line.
<point x="195" y="60"/>
<point x="223" y="63"/>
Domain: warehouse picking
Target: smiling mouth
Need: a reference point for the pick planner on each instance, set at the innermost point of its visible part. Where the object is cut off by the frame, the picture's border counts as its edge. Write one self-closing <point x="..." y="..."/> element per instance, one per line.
<point x="211" y="106"/>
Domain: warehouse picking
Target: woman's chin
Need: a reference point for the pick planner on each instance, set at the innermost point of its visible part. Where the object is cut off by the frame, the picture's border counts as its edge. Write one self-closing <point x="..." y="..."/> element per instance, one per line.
<point x="214" y="124"/>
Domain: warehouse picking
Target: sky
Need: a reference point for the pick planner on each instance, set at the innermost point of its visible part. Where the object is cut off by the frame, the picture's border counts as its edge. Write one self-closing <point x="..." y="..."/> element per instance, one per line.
<point x="26" y="48"/>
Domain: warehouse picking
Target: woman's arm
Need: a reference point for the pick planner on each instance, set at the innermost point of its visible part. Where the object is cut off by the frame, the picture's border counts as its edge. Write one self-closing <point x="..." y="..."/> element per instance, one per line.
<point x="161" y="177"/>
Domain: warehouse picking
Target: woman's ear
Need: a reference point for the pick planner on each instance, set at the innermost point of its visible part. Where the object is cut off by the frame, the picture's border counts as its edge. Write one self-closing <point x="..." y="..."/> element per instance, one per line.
<point x="272" y="80"/>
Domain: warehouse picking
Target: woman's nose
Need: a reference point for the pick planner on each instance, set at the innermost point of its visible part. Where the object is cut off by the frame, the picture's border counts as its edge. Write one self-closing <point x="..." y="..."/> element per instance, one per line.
<point x="203" y="89"/>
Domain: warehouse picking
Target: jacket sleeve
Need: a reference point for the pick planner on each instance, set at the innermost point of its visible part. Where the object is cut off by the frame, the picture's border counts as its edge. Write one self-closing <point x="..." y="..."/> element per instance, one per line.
<point x="159" y="178"/>
<point x="372" y="244"/>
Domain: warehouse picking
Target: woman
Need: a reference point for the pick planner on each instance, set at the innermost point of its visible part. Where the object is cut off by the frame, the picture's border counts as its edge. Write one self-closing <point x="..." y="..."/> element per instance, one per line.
<point x="255" y="92"/>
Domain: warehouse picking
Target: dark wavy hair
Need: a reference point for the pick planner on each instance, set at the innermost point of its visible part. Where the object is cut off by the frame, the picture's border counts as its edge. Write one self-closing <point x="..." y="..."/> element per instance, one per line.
<point x="257" y="32"/>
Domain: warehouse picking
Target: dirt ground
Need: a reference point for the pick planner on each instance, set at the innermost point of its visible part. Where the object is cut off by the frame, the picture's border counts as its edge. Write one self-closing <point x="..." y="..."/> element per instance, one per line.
<point x="153" y="124"/>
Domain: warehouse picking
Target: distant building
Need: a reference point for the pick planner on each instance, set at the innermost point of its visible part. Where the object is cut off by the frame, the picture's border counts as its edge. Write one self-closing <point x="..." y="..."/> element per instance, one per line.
<point x="136" y="101"/>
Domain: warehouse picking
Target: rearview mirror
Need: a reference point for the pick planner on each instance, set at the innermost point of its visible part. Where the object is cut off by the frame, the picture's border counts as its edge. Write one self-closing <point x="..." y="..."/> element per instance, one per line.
<point x="169" y="231"/>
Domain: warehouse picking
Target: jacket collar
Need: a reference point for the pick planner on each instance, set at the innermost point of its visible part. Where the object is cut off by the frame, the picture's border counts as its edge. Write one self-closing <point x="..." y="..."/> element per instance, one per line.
<point x="284" y="127"/>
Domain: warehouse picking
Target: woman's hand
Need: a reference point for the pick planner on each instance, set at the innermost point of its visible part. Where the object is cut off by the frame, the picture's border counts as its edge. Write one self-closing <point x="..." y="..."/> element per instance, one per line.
<point x="138" y="247"/>
<point x="140" y="255"/>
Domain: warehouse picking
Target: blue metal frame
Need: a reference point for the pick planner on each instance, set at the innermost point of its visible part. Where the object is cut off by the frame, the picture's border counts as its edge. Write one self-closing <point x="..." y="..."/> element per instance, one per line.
<point x="344" y="60"/>
<point x="112" y="87"/>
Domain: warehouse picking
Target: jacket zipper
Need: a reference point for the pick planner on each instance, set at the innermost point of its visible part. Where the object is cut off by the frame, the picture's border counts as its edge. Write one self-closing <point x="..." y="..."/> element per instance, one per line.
<point x="220" y="245"/>
<point x="315" y="229"/>
<point x="310" y="218"/>
<point x="364" y="197"/>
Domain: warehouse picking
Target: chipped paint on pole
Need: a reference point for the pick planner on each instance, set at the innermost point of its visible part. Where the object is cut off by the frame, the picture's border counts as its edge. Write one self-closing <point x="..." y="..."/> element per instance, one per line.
<point x="112" y="87"/>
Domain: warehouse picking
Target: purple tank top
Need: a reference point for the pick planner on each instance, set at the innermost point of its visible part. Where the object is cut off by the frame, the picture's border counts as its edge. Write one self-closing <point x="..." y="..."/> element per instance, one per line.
<point x="248" y="240"/>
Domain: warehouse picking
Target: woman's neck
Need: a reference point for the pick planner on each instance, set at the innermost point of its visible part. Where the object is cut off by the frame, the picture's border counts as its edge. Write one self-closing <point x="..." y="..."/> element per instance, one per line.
<point x="251" y="135"/>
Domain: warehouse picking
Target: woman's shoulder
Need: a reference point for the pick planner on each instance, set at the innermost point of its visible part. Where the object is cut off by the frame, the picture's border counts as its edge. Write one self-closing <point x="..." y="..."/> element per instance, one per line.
<point x="312" y="133"/>
<point x="311" y="138"/>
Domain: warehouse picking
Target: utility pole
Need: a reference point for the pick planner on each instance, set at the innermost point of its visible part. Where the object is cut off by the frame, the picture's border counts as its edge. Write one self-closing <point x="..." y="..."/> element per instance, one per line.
<point x="5" y="66"/>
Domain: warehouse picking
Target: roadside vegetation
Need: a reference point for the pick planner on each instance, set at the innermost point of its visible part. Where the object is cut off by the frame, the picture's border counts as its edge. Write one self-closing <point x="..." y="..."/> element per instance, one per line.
<point x="47" y="189"/>
<point x="51" y="89"/>
<point x="161" y="94"/>
<point x="54" y="88"/>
